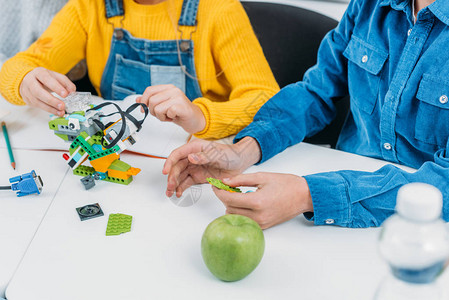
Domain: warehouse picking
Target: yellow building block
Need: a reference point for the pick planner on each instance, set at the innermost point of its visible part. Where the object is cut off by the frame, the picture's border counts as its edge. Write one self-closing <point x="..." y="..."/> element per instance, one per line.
<point x="102" y="164"/>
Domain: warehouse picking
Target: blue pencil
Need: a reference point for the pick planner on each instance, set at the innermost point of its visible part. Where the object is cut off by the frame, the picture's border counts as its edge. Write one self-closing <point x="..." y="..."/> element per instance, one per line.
<point x="8" y="144"/>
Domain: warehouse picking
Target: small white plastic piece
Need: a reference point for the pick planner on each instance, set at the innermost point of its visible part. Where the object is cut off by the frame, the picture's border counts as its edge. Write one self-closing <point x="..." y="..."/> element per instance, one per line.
<point x="74" y="124"/>
<point x="77" y="101"/>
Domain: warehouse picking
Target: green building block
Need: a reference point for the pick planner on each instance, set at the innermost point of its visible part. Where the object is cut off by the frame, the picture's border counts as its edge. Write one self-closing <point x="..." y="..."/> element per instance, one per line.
<point x="87" y="138"/>
<point x="81" y="142"/>
<point x="86" y="170"/>
<point x="63" y="136"/>
<point x="219" y="184"/>
<point x="118" y="223"/>
<point x="103" y="153"/>
<point x="53" y="124"/>
<point x="98" y="138"/>
<point x="119" y="166"/>
<point x="83" y="170"/>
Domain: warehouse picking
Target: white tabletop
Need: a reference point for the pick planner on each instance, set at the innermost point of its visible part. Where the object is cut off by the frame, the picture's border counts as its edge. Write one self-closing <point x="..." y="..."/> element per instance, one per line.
<point x="161" y="259"/>
<point x="20" y="216"/>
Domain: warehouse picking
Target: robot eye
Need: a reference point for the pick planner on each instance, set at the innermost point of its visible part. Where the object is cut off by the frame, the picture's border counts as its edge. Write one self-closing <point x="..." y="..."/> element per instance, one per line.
<point x="74" y="124"/>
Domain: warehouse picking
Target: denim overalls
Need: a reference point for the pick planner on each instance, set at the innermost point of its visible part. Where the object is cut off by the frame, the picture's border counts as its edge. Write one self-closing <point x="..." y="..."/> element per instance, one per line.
<point x="134" y="63"/>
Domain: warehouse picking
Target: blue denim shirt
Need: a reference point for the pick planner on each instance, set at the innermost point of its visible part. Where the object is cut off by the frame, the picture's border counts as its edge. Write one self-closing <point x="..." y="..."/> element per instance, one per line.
<point x="397" y="74"/>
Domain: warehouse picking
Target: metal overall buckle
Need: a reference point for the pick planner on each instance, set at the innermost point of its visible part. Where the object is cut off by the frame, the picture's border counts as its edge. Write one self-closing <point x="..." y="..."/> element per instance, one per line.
<point x="118" y="31"/>
<point x="185" y="45"/>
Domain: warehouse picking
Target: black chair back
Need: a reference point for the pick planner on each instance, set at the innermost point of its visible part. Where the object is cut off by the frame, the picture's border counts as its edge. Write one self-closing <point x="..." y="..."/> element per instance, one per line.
<point x="290" y="37"/>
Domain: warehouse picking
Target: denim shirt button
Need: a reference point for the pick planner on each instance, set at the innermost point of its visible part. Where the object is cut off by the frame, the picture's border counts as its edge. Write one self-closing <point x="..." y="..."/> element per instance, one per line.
<point x="364" y="58"/>
<point x="443" y="99"/>
<point x="329" y="221"/>
<point x="409" y="31"/>
<point x="387" y="146"/>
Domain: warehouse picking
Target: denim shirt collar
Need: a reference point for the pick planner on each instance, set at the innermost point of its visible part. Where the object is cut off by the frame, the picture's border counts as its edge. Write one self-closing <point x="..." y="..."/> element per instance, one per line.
<point x="439" y="8"/>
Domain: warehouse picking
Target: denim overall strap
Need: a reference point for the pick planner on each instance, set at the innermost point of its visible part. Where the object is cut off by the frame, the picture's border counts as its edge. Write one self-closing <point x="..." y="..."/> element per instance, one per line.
<point x="114" y="8"/>
<point x="136" y="63"/>
<point x="188" y="13"/>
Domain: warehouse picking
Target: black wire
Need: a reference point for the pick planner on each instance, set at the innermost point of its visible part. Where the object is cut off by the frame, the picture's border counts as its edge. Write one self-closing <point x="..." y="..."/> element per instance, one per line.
<point x="132" y="119"/>
<point x="122" y="116"/>
<point x="5" y="187"/>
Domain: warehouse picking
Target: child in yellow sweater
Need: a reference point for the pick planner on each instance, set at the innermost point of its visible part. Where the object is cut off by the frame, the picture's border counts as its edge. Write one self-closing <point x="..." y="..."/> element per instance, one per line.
<point x="197" y="63"/>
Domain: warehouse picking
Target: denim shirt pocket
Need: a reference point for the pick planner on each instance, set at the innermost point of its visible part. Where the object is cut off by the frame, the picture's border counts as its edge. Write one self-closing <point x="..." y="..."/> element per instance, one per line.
<point x="365" y="63"/>
<point x="432" y="117"/>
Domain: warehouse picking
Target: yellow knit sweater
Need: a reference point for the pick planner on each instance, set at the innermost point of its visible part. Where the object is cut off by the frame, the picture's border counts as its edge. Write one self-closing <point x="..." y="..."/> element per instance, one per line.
<point x="234" y="76"/>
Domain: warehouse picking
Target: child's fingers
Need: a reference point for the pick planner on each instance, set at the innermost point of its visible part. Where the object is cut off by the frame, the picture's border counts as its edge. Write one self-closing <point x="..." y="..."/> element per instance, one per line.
<point x="239" y="200"/>
<point x="161" y="110"/>
<point x="164" y="96"/>
<point x="252" y="179"/>
<point x="199" y="158"/>
<point x="174" y="111"/>
<point x="142" y="99"/>
<point x="65" y="81"/>
<point x="50" y="82"/>
<point x="155" y="101"/>
<point x="208" y="158"/>
<point x="48" y="108"/>
<point x="40" y="101"/>
<point x="183" y="176"/>
<point x="175" y="172"/>
<point x="40" y="94"/>
<point x="139" y="100"/>
<point x="240" y="211"/>
<point x="185" y="184"/>
<point x="153" y="90"/>
<point x="181" y="153"/>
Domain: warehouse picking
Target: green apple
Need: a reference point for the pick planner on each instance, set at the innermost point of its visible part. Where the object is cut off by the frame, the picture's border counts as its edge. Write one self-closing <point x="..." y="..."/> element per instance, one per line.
<point x="232" y="247"/>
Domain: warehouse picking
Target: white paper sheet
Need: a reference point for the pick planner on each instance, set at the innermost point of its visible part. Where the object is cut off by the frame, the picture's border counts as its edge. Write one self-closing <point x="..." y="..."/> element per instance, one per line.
<point x="28" y="129"/>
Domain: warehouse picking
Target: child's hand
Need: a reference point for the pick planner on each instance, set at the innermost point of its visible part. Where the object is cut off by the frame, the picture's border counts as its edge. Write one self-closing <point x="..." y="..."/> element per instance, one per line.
<point x="193" y="162"/>
<point x="36" y="88"/>
<point x="168" y="103"/>
<point x="278" y="198"/>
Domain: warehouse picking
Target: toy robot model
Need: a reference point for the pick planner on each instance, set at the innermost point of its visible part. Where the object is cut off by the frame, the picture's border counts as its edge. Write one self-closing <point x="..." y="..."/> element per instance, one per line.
<point x="96" y="142"/>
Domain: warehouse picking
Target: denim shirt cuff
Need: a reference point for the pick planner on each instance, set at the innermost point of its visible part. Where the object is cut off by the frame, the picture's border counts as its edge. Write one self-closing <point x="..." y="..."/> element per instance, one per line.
<point x="264" y="135"/>
<point x="330" y="199"/>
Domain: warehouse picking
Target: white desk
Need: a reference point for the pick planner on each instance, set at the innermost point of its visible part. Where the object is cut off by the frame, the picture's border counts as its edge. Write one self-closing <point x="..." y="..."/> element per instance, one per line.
<point x="161" y="258"/>
<point x="20" y="216"/>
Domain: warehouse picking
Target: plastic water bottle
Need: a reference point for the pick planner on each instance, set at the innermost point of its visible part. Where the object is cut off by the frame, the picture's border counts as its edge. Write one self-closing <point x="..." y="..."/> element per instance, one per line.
<point x="415" y="244"/>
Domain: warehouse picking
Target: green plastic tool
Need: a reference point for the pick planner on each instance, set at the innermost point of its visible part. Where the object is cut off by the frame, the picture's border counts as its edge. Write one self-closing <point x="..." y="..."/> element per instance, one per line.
<point x="219" y="184"/>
